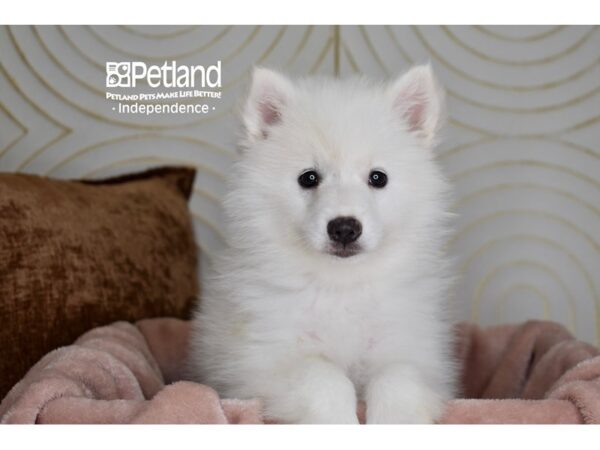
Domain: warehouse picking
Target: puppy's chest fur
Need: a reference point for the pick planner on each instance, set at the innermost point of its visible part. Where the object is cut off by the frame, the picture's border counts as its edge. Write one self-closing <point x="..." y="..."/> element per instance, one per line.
<point x="340" y="324"/>
<point x="348" y="326"/>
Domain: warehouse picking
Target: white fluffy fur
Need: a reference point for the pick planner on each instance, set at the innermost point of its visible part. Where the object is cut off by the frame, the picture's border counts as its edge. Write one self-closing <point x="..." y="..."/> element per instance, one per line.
<point x="307" y="332"/>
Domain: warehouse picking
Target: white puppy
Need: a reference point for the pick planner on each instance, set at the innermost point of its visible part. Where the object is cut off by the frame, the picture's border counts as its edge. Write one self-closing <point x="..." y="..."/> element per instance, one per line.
<point x="334" y="285"/>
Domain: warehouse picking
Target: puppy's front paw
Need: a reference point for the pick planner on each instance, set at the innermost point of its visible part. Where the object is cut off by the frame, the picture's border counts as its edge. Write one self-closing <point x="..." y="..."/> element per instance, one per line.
<point x="337" y="405"/>
<point x="322" y="394"/>
<point x="405" y="409"/>
<point x="317" y="408"/>
<point x="397" y="396"/>
<point x="334" y="416"/>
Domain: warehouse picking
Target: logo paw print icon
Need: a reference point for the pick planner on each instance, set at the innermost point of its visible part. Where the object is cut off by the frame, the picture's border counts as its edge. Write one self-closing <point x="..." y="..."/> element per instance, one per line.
<point x="118" y="74"/>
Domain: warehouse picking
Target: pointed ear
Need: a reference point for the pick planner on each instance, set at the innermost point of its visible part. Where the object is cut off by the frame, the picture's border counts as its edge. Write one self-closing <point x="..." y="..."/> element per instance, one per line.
<point x="418" y="99"/>
<point x="270" y="92"/>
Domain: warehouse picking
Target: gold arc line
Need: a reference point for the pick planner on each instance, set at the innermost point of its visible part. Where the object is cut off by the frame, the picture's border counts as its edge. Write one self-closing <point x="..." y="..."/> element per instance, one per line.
<point x="207" y="195"/>
<point x="581" y="125"/>
<point x="273" y="44"/>
<point x="372" y="49"/>
<point x="497" y="86"/>
<point x="571" y="128"/>
<point x="212" y="41"/>
<point x="53" y="57"/>
<point x="526" y="185"/>
<point x="580" y="148"/>
<point x="336" y="50"/>
<point x="500" y="306"/>
<point x="79" y="51"/>
<point x="396" y="44"/>
<point x="305" y="36"/>
<point x="209" y="224"/>
<point x="527" y="162"/>
<point x="525" y="212"/>
<point x="200" y="143"/>
<point x="530" y="237"/>
<point x="486" y="279"/>
<point x="350" y="58"/>
<point x="245" y="43"/>
<point x="23" y="164"/>
<point x="573" y="47"/>
<point x="244" y="75"/>
<point x="23" y="130"/>
<point x="34" y="105"/>
<point x="13" y="118"/>
<point x="321" y="57"/>
<point x="447" y="153"/>
<point x="204" y="251"/>
<point x="527" y="110"/>
<point x="459" y="148"/>
<point x="474" y="129"/>
<point x="12" y="143"/>
<point x="533" y="38"/>
<point x="184" y="29"/>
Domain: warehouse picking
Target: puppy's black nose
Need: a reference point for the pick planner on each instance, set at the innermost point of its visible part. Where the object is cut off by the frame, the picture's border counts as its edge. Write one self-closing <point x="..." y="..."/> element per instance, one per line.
<point x="344" y="230"/>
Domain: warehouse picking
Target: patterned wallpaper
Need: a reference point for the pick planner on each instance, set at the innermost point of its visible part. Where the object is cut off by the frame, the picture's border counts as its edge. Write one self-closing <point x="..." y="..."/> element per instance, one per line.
<point x="522" y="146"/>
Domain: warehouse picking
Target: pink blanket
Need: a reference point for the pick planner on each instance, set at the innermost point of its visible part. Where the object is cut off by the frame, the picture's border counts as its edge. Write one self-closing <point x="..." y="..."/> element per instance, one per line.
<point x="124" y="373"/>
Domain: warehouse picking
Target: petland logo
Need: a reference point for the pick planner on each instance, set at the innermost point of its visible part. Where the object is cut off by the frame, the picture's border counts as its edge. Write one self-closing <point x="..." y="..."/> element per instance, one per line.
<point x="169" y="75"/>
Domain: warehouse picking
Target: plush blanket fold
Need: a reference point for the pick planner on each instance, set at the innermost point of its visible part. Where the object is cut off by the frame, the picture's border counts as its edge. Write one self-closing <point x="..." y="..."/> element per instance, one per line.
<point x="125" y="373"/>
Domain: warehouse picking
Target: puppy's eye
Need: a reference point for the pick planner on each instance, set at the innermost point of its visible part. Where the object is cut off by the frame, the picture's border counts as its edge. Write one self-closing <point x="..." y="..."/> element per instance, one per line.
<point x="378" y="179"/>
<point x="308" y="179"/>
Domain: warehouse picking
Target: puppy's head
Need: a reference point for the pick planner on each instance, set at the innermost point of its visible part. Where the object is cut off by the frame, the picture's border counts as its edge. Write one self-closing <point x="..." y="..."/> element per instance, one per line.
<point x="337" y="169"/>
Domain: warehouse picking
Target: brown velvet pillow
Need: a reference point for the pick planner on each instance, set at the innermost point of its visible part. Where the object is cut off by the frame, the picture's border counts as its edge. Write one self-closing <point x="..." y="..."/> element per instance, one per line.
<point x="80" y="254"/>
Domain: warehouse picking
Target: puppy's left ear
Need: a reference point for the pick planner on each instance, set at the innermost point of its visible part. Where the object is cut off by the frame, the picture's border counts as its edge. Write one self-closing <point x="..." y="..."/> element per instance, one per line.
<point x="418" y="100"/>
<point x="269" y="96"/>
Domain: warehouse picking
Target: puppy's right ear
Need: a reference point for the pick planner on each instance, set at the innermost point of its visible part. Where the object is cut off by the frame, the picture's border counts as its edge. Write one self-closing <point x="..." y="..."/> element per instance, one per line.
<point x="270" y="93"/>
<point x="418" y="100"/>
